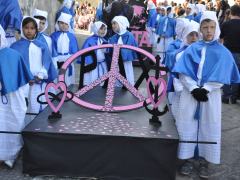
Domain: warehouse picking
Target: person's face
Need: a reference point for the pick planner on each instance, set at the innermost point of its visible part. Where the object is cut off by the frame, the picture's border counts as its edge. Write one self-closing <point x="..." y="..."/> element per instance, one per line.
<point x="115" y="27"/>
<point x="237" y="2"/>
<point x="102" y="31"/>
<point x="192" y="37"/>
<point x="126" y="1"/>
<point x="29" y="30"/>
<point x="208" y="30"/>
<point x="188" y="10"/>
<point x="163" y="12"/>
<point x="63" y="26"/>
<point x="41" y="25"/>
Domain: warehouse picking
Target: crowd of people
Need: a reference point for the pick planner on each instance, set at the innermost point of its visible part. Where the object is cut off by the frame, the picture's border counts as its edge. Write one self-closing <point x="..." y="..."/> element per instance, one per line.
<point x="198" y="42"/>
<point x="84" y="15"/>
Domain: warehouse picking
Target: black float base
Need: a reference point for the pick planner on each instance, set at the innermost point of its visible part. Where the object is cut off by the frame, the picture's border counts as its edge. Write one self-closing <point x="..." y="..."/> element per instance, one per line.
<point x="107" y="146"/>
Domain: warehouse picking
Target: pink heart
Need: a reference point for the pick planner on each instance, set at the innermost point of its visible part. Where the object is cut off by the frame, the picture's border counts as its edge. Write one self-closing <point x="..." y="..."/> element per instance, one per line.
<point x="60" y="85"/>
<point x="161" y="90"/>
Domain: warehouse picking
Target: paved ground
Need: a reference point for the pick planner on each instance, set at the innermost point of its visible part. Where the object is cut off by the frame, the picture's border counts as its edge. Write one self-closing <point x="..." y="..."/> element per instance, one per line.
<point x="228" y="170"/>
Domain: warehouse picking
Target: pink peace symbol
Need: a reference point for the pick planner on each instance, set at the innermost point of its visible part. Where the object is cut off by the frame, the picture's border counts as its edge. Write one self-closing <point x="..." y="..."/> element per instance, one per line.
<point x="113" y="75"/>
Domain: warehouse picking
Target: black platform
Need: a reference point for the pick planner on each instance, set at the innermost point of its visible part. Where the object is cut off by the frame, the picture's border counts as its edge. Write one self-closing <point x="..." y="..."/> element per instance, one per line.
<point x="88" y="143"/>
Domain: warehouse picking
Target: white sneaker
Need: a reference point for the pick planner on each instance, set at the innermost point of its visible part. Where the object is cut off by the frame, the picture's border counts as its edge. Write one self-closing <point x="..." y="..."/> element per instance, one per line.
<point x="9" y="163"/>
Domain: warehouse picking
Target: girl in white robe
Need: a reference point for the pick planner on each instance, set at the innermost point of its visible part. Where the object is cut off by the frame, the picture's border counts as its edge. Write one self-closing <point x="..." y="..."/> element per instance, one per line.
<point x="100" y="30"/>
<point x="13" y="90"/>
<point x="190" y="35"/>
<point x="123" y="36"/>
<point x="38" y="59"/>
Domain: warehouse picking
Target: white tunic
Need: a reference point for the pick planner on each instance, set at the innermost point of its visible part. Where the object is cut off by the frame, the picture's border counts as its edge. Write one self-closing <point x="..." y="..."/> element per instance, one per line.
<point x="63" y="50"/>
<point x="37" y="69"/>
<point x="175" y="96"/>
<point x="128" y="67"/>
<point x="208" y="128"/>
<point x="12" y="117"/>
<point x="49" y="42"/>
<point x="101" y="68"/>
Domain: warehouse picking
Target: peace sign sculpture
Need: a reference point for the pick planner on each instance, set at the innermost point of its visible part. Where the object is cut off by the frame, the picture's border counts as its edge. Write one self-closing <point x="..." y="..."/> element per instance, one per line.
<point x="113" y="75"/>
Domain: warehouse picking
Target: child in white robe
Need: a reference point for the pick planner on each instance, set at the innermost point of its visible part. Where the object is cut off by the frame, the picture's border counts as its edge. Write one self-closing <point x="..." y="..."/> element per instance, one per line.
<point x="38" y="59"/>
<point x="123" y="36"/>
<point x="100" y="30"/>
<point x="203" y="68"/>
<point x="13" y="90"/>
<point x="190" y="35"/>
<point x="43" y="25"/>
<point x="65" y="44"/>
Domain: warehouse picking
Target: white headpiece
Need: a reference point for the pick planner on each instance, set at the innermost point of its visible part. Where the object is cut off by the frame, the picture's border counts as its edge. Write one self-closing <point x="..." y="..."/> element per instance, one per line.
<point x="200" y="8"/>
<point x="122" y="22"/>
<point x="64" y="17"/>
<point x="36" y="20"/>
<point x="192" y="7"/>
<point x="212" y="16"/>
<point x="4" y="42"/>
<point x="38" y="12"/>
<point x="96" y="26"/>
<point x="192" y="26"/>
<point x="181" y="23"/>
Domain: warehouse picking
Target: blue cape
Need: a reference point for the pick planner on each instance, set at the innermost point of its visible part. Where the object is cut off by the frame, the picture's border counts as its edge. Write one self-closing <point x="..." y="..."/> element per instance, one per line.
<point x="170" y="30"/>
<point x="73" y="44"/>
<point x="197" y="18"/>
<point x="10" y="14"/>
<point x="42" y="38"/>
<point x="153" y="21"/>
<point x="172" y="51"/>
<point x="190" y="17"/>
<point x="128" y="39"/>
<point x="219" y="64"/>
<point x="89" y="42"/>
<point x="13" y="71"/>
<point x="151" y="13"/>
<point x="22" y="46"/>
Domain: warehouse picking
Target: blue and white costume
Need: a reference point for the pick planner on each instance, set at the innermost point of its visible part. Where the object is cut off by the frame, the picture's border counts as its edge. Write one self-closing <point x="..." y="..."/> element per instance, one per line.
<point x="208" y="65"/>
<point x="165" y="31"/>
<point x="94" y="40"/>
<point x="38" y="59"/>
<point x="65" y="44"/>
<point x="10" y="18"/>
<point x="125" y="37"/>
<point x="200" y="8"/>
<point x="177" y="85"/>
<point x="15" y="76"/>
<point x="68" y="9"/>
<point x="190" y="16"/>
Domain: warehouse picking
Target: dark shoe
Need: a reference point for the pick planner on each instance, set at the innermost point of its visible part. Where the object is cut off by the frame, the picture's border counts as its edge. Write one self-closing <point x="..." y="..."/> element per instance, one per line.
<point x="233" y="100"/>
<point x="186" y="168"/>
<point x="225" y="101"/>
<point x="203" y="169"/>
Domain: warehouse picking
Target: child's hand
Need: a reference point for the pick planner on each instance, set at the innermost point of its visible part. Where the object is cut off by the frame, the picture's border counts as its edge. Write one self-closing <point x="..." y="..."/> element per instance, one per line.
<point x="31" y="82"/>
<point x="37" y="79"/>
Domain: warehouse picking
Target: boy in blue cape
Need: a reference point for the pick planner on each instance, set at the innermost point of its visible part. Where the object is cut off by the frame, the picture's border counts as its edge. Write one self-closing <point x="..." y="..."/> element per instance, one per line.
<point x="203" y="69"/>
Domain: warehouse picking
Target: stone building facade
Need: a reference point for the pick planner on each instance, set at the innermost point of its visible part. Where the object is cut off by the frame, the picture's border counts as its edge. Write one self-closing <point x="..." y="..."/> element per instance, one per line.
<point x="51" y="6"/>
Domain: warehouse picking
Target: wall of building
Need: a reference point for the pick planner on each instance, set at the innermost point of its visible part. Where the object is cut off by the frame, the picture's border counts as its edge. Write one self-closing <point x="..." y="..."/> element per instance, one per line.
<point x="51" y="6"/>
